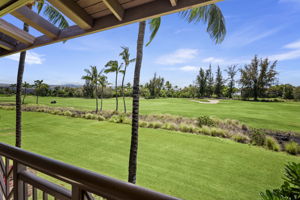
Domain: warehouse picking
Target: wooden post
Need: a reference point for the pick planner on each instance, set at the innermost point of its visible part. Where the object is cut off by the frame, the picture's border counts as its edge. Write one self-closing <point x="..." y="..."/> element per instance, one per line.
<point x="77" y="193"/>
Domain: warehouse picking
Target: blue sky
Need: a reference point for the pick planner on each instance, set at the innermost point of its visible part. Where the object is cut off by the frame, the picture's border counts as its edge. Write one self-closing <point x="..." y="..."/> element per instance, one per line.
<point x="268" y="28"/>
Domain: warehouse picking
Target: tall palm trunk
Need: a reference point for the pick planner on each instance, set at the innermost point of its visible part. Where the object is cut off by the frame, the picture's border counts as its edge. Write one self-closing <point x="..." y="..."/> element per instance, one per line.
<point x="96" y="94"/>
<point x="102" y="90"/>
<point x="19" y="94"/>
<point x="117" y="102"/>
<point x="123" y="94"/>
<point x="25" y="93"/>
<point x="135" y="105"/>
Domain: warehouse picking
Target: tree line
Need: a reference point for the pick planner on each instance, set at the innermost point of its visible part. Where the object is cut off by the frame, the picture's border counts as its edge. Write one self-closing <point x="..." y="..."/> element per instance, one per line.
<point x="257" y="80"/>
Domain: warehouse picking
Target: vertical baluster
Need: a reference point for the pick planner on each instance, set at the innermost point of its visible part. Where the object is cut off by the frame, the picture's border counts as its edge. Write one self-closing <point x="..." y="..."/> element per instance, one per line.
<point x="45" y="196"/>
<point x="7" y="176"/>
<point x="34" y="193"/>
<point x="25" y="191"/>
<point x="77" y="193"/>
<point x="18" y="185"/>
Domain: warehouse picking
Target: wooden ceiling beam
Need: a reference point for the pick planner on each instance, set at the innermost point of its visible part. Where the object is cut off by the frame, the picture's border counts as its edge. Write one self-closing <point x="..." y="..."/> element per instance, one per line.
<point x="4" y="3"/>
<point x="16" y="33"/>
<point x="6" y="46"/>
<point x="115" y="7"/>
<point x="14" y="6"/>
<point x="136" y="14"/>
<point x="36" y="21"/>
<point x="173" y="2"/>
<point x="73" y="11"/>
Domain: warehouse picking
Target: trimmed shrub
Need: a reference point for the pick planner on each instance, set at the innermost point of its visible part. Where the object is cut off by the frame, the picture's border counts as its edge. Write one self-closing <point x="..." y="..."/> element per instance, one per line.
<point x="205" y="121"/>
<point x="143" y="124"/>
<point x="292" y="148"/>
<point x="217" y="132"/>
<point x="157" y="124"/>
<point x="241" y="138"/>
<point x="185" y="128"/>
<point x="205" y="130"/>
<point x="68" y="113"/>
<point x="172" y="126"/>
<point x="117" y="118"/>
<point x="258" y="138"/>
<point x="100" y="118"/>
<point x="272" y="144"/>
<point x="89" y="116"/>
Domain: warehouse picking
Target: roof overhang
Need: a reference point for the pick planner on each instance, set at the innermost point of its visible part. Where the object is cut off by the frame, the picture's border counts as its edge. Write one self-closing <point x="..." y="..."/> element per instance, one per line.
<point x="90" y="16"/>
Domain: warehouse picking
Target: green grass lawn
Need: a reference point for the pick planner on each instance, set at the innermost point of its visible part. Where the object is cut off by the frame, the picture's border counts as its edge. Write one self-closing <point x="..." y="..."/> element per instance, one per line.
<point x="270" y="115"/>
<point x="183" y="165"/>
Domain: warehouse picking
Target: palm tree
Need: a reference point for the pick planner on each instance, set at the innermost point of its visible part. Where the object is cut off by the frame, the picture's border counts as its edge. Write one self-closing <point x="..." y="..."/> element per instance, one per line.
<point x="114" y="67"/>
<point x="126" y="58"/>
<point x="93" y="76"/>
<point x="38" y="84"/>
<point x="213" y="17"/>
<point x="103" y="82"/>
<point x="25" y="86"/>
<point x="56" y="18"/>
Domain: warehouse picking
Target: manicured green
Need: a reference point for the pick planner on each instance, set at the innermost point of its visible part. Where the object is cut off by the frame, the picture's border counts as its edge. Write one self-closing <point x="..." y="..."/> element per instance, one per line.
<point x="184" y="165"/>
<point x="270" y="115"/>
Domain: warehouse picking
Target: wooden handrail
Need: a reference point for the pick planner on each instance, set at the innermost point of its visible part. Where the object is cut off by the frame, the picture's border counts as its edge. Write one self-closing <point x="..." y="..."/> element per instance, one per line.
<point x="83" y="179"/>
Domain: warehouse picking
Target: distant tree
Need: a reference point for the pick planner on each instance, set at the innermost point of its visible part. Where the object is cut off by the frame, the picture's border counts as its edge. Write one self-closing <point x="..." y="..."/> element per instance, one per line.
<point x="288" y="91"/>
<point x="25" y="86"/>
<point x="201" y="82"/>
<point x="92" y="76"/>
<point x="114" y="67"/>
<point x="257" y="77"/>
<point x="210" y="82"/>
<point x="219" y="83"/>
<point x="231" y="71"/>
<point x="38" y="84"/>
<point x="169" y="89"/>
<point x="297" y="93"/>
<point x="155" y="86"/>
<point x="126" y="59"/>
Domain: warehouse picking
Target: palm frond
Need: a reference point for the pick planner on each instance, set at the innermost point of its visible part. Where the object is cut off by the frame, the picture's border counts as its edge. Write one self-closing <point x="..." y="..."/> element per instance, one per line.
<point x="210" y="14"/>
<point x="56" y="17"/>
<point x="154" y="27"/>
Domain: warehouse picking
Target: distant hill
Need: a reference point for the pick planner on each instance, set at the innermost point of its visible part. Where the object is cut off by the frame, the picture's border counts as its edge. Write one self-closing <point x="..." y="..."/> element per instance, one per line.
<point x="51" y="86"/>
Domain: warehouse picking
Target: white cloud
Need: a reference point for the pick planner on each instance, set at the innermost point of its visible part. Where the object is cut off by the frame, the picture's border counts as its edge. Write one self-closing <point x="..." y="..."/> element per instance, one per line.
<point x="189" y="68"/>
<point x="212" y="60"/>
<point x="225" y="61"/>
<point x="293" y="45"/>
<point x="294" y="53"/>
<point x="178" y="57"/>
<point x="290" y="55"/>
<point x="31" y="58"/>
<point x="248" y="35"/>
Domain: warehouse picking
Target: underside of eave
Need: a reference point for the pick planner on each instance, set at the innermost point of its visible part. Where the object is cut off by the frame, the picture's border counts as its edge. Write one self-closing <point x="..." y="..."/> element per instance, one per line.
<point x="117" y="18"/>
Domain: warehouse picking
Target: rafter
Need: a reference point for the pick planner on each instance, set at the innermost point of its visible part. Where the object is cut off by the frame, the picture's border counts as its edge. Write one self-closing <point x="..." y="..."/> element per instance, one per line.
<point x="14" y="6"/>
<point x="36" y="21"/>
<point x="115" y="7"/>
<point x="173" y="2"/>
<point x="135" y="14"/>
<point x="6" y="46"/>
<point x="4" y="2"/>
<point x="16" y="33"/>
<point x="73" y="11"/>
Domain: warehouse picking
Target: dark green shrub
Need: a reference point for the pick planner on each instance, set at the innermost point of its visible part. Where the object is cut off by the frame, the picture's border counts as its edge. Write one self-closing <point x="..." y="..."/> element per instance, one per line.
<point x="292" y="148"/>
<point x="290" y="189"/>
<point x="205" y="121"/>
<point x="258" y="138"/>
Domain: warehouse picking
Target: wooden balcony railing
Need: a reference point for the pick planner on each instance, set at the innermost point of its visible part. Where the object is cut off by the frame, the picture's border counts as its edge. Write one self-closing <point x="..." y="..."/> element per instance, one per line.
<point x="18" y="182"/>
